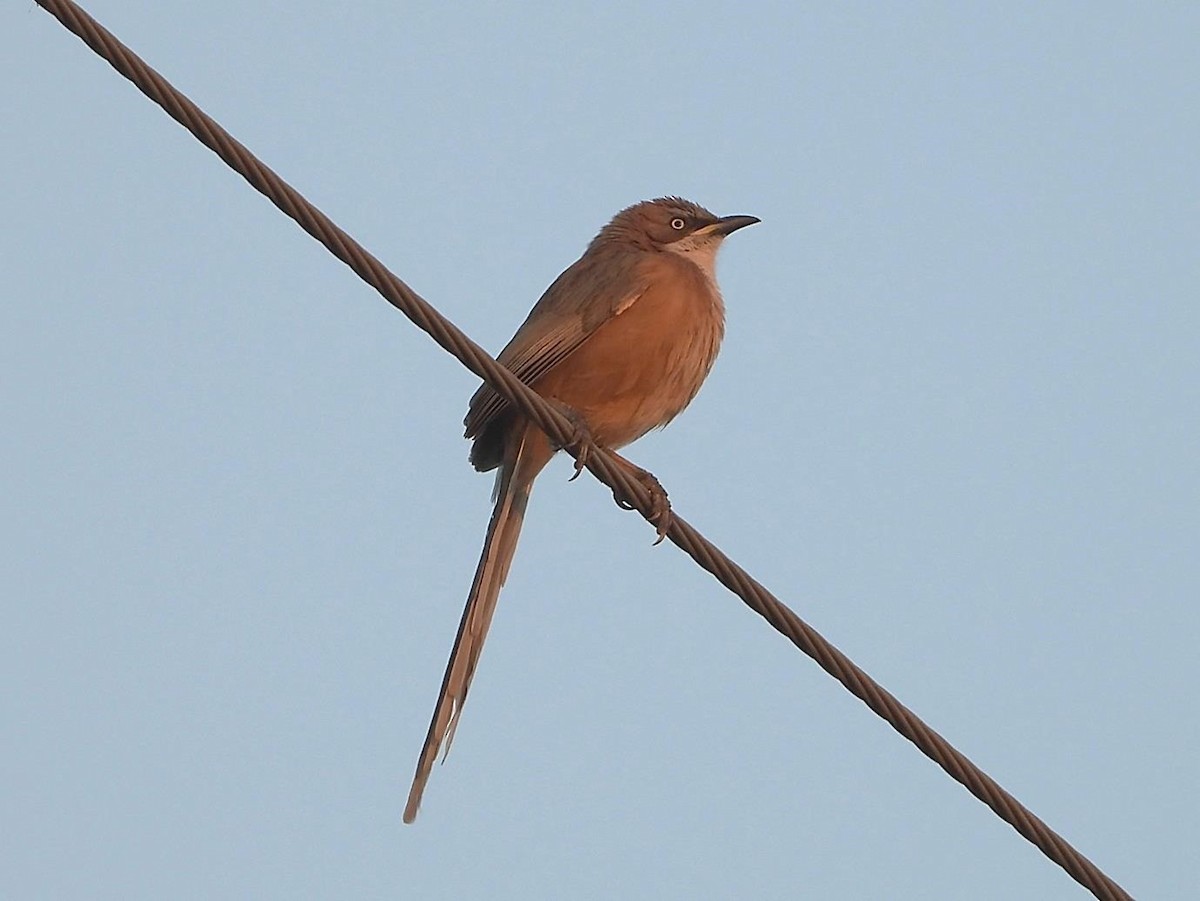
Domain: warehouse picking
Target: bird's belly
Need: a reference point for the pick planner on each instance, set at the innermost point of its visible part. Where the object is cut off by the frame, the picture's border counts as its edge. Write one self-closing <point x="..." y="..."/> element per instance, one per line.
<point x="640" y="369"/>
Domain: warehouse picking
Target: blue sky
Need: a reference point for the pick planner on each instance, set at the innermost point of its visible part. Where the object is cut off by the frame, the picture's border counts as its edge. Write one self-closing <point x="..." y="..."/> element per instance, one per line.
<point x="953" y="426"/>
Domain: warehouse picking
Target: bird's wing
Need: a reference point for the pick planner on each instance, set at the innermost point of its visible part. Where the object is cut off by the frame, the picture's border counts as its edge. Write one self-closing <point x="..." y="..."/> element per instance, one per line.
<point x="588" y="294"/>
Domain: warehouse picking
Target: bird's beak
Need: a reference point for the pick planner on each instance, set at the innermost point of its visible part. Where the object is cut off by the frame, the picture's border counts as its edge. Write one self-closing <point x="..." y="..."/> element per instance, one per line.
<point x="727" y="225"/>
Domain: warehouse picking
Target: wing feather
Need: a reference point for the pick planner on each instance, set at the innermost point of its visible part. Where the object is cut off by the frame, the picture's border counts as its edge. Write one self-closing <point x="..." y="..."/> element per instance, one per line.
<point x="588" y="294"/>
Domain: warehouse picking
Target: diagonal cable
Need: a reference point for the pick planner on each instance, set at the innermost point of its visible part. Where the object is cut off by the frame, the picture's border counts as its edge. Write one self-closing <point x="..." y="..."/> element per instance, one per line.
<point x="598" y="460"/>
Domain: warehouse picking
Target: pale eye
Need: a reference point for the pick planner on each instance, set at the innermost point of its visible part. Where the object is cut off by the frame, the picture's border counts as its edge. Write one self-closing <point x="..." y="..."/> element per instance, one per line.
<point x="678" y="224"/>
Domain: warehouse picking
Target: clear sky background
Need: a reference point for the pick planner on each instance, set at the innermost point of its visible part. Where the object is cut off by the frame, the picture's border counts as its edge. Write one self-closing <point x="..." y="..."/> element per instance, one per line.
<point x="954" y="425"/>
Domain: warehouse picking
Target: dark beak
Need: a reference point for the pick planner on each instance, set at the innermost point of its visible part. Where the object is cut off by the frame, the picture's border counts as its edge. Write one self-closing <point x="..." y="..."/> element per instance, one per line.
<point x="727" y="225"/>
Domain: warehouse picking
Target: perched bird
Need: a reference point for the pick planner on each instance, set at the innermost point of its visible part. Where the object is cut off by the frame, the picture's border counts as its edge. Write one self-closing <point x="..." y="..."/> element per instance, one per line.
<point x="622" y="340"/>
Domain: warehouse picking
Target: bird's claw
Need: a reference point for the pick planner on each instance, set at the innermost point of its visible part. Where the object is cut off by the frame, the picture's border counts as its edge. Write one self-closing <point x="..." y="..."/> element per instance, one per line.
<point x="580" y="461"/>
<point x="660" y="505"/>
<point x="660" y="508"/>
<point x="581" y="442"/>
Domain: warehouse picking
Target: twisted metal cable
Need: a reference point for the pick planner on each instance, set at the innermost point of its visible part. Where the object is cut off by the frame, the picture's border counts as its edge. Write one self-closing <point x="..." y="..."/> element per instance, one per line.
<point x="598" y="460"/>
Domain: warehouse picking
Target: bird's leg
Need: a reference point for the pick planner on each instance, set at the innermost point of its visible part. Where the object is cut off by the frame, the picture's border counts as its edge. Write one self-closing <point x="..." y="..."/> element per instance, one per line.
<point x="581" y="441"/>
<point x="660" y="506"/>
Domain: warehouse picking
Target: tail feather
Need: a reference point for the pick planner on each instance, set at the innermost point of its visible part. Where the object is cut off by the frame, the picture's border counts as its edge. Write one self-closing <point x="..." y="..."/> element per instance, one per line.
<point x="511" y="498"/>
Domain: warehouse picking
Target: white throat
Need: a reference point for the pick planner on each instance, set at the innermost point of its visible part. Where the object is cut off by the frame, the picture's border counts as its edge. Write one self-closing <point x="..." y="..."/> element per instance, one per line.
<point x="701" y="252"/>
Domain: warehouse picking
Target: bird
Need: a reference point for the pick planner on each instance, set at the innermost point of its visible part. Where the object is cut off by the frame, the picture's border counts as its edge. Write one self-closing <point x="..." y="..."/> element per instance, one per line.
<point x="622" y="341"/>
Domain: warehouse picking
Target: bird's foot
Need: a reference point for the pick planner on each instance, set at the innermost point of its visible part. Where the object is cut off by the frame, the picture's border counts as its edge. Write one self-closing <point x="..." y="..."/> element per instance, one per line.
<point x="581" y="442"/>
<point x="660" y="505"/>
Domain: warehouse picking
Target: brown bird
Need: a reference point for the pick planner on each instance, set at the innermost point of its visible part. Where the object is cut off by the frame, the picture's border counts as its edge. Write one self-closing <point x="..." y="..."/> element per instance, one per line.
<point x="623" y="340"/>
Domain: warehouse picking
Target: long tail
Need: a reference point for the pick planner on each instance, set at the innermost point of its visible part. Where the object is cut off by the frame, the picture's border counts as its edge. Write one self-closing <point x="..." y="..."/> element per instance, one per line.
<point x="512" y="496"/>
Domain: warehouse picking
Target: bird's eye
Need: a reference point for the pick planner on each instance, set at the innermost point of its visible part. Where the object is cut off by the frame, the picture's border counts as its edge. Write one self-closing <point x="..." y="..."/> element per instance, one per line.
<point x="677" y="223"/>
